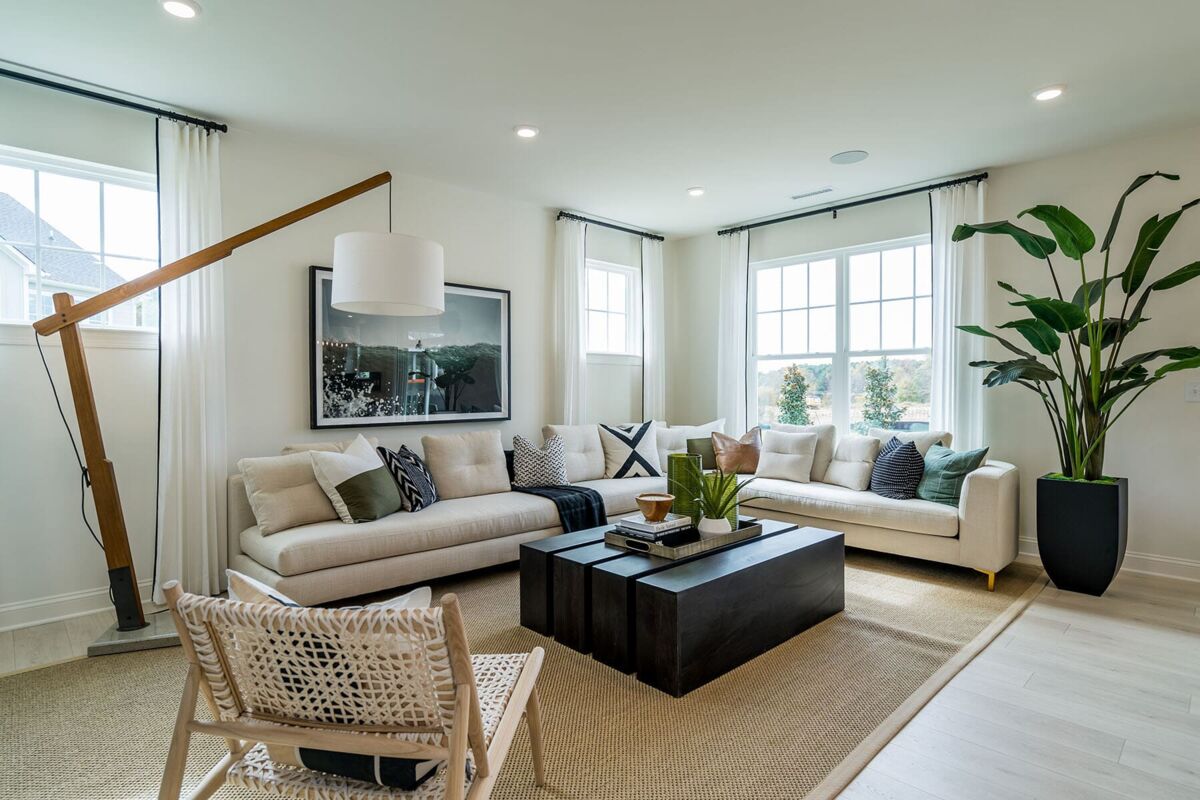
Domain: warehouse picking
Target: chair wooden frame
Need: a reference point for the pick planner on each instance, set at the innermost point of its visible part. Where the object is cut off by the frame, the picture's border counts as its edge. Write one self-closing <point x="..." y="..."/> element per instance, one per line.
<point x="242" y="730"/>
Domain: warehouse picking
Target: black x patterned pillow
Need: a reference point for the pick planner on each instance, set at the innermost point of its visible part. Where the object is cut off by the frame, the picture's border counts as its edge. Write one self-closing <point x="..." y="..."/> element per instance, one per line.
<point x="630" y="451"/>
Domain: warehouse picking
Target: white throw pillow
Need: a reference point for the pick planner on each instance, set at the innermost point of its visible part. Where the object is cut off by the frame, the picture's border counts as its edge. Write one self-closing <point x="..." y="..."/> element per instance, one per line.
<point x="922" y="439"/>
<point x="466" y="464"/>
<point x="283" y="492"/>
<point x="357" y="483"/>
<point x="674" y="439"/>
<point x="788" y="456"/>
<point x="245" y="589"/>
<point x="826" y="437"/>
<point x="630" y="451"/>
<point x="852" y="462"/>
<point x="585" y="453"/>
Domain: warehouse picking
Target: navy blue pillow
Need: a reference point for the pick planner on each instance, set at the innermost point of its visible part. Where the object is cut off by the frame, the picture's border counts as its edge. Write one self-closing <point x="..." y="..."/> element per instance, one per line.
<point x="898" y="470"/>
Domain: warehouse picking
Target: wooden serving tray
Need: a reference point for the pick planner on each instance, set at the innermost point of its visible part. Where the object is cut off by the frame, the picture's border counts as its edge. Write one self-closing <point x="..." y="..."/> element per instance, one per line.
<point x="684" y="543"/>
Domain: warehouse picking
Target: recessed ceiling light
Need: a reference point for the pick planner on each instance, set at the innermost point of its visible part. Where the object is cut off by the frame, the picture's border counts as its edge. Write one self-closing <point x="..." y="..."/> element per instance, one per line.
<point x="1049" y="93"/>
<point x="849" y="157"/>
<point x="526" y="131"/>
<point x="184" y="9"/>
<point x="695" y="191"/>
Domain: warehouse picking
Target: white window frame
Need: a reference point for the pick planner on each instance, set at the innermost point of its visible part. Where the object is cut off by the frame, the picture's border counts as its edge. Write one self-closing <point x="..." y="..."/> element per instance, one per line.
<point x="633" y="313"/>
<point x="842" y="355"/>
<point x="75" y="168"/>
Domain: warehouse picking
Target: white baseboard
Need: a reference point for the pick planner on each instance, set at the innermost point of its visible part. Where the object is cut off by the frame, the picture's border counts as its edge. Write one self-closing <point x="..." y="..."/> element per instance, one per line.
<point x="41" y="610"/>
<point x="1142" y="563"/>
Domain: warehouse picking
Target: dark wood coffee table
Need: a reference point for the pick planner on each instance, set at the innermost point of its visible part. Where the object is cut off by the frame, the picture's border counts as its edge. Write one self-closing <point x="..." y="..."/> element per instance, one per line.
<point x="681" y="623"/>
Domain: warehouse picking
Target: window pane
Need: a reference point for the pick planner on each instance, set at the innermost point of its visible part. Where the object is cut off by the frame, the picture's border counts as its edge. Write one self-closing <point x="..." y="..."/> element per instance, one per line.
<point x="141" y="312"/>
<point x="864" y="277"/>
<point x="616" y="330"/>
<point x="924" y="322"/>
<point x="864" y="326"/>
<point x="795" y="392"/>
<point x="795" y="286"/>
<point x="822" y="286"/>
<point x="795" y="331"/>
<point x="70" y="208"/>
<point x="924" y="272"/>
<point x="616" y="291"/>
<point x="767" y="340"/>
<point x="897" y="325"/>
<point x="16" y="209"/>
<point x="889" y="393"/>
<point x="597" y="331"/>
<point x="822" y="330"/>
<point x="768" y="289"/>
<point x="898" y="272"/>
<point x="130" y="221"/>
<point x="597" y="289"/>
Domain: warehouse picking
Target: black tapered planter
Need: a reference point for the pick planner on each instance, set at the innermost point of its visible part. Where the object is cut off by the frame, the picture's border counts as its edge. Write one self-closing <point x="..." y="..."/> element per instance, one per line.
<point x="1081" y="532"/>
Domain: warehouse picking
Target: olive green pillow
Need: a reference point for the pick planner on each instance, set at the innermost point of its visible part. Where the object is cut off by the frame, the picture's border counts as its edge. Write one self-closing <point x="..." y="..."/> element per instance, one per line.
<point x="945" y="472"/>
<point x="704" y="449"/>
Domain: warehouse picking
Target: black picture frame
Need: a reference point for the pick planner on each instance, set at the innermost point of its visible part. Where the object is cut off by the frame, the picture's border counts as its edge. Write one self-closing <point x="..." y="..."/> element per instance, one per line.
<point x="320" y="281"/>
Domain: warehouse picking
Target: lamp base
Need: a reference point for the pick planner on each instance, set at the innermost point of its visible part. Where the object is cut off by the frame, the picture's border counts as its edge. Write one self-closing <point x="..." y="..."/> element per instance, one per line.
<point x="160" y="632"/>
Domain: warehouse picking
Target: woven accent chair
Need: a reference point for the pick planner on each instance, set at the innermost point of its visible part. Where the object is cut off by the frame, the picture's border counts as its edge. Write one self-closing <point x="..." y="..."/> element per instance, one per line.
<point x="372" y="681"/>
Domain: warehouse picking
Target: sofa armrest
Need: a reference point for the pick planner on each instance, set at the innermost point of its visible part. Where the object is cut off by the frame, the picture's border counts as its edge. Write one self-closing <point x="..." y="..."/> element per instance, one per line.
<point x="240" y="515"/>
<point x="988" y="517"/>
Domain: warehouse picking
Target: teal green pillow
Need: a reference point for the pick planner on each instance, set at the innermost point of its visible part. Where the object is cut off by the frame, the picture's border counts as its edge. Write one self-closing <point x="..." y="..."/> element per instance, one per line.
<point x="945" y="471"/>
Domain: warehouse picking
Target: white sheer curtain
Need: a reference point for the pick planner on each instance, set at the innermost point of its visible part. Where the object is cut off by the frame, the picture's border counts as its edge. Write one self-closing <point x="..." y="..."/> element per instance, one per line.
<point x="570" y="270"/>
<point x="731" y="331"/>
<point x="958" y="299"/>
<point x="192" y="458"/>
<point x="654" y="332"/>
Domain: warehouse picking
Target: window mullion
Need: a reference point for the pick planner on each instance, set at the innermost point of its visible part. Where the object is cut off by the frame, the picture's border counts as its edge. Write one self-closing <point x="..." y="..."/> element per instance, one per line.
<point x="841" y="360"/>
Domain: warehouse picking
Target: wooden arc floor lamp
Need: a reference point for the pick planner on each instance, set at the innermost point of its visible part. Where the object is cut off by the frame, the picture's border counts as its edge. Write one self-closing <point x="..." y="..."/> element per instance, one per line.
<point x="363" y="262"/>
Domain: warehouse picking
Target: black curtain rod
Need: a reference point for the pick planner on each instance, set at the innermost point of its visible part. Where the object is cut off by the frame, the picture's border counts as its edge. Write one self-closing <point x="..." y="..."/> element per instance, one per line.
<point x="854" y="203"/>
<point x="601" y="223"/>
<point x="207" y="124"/>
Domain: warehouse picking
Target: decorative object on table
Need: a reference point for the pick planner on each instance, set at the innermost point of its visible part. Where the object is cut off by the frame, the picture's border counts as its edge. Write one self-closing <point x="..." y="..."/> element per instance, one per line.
<point x="898" y="470"/>
<point x="945" y="472"/>
<point x="368" y="370"/>
<point x="1082" y="513"/>
<point x="717" y="499"/>
<point x="681" y="482"/>
<point x="630" y="451"/>
<point x="358" y="484"/>
<point x="534" y="466"/>
<point x="637" y="525"/>
<point x="685" y="542"/>
<point x="738" y="455"/>
<point x="655" y="505"/>
<point x="417" y="489"/>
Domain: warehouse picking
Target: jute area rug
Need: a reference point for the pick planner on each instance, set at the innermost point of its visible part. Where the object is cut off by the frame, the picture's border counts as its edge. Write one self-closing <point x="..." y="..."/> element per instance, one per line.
<point x="773" y="728"/>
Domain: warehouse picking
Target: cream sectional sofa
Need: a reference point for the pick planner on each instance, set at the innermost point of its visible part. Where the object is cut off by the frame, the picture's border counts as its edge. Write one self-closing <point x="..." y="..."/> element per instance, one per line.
<point x="325" y="561"/>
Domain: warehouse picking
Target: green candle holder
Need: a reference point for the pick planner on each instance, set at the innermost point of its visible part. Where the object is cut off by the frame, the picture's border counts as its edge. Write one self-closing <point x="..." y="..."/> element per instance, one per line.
<point x="680" y="482"/>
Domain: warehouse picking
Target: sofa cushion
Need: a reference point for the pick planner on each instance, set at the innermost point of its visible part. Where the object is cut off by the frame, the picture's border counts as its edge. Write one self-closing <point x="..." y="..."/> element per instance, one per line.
<point x="826" y="438"/>
<point x="444" y="524"/>
<point x="619" y="493"/>
<point x="852" y="462"/>
<point x="283" y="492"/>
<point x="738" y="455"/>
<point x="675" y="438"/>
<point x="787" y="455"/>
<point x="945" y="473"/>
<point x="466" y="464"/>
<point x="630" y="451"/>
<point x="897" y="470"/>
<point x="539" y="467"/>
<point x="323" y="447"/>
<point x="922" y="439"/>
<point x="585" y="454"/>
<point x="357" y="483"/>
<point x="825" y="501"/>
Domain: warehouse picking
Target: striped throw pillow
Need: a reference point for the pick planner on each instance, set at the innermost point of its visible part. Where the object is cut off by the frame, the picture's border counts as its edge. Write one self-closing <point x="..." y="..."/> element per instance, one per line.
<point x="898" y="470"/>
<point x="412" y="479"/>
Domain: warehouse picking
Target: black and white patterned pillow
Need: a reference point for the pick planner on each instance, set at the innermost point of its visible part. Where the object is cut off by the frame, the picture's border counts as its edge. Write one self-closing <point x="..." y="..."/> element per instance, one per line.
<point x="630" y="451"/>
<point x="544" y="467"/>
<point x="898" y="470"/>
<point x="416" y="485"/>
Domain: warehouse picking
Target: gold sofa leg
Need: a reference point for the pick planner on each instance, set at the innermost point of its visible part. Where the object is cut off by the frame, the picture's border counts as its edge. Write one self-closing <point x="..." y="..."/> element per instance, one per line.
<point x="991" y="576"/>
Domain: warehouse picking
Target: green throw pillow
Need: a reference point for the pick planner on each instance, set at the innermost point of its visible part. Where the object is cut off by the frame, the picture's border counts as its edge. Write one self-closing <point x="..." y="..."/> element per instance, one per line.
<point x="945" y="471"/>
<point x="704" y="449"/>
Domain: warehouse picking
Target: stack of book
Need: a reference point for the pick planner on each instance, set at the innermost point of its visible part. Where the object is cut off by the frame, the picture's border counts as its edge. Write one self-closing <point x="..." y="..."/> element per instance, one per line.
<point x="639" y="527"/>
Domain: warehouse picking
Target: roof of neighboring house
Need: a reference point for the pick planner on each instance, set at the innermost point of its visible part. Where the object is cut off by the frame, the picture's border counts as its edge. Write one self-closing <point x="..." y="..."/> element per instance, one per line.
<point x="17" y="224"/>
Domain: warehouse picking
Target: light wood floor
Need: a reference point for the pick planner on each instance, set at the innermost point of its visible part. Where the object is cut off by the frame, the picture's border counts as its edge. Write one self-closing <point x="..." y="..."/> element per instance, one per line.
<point x="1079" y="699"/>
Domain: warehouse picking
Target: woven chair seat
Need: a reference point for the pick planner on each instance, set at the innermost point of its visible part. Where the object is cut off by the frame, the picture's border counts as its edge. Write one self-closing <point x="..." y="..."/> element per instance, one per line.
<point x="495" y="676"/>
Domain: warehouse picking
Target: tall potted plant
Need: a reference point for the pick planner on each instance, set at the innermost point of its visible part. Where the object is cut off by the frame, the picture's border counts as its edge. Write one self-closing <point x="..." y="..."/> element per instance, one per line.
<point x="1086" y="380"/>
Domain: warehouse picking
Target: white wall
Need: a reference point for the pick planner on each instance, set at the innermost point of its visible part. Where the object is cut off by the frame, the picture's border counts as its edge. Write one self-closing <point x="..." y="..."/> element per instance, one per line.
<point x="1157" y="444"/>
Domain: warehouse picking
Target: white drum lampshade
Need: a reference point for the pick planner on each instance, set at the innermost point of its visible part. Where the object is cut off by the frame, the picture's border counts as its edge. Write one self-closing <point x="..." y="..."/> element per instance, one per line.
<point x="387" y="273"/>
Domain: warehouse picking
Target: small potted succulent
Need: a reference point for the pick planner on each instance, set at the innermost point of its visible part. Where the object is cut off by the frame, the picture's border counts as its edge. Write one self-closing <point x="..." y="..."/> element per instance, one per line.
<point x="715" y="495"/>
<point x="1084" y="377"/>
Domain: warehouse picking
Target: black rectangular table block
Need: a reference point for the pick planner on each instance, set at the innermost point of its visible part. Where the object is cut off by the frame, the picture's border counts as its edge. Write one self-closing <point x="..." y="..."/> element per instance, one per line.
<point x="537" y="578"/>
<point x="572" y="592"/>
<point x="613" y="583"/>
<point x="702" y="619"/>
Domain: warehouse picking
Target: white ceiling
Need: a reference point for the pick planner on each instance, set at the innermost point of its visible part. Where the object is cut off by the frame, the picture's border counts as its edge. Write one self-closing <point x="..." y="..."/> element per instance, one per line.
<point x="639" y="100"/>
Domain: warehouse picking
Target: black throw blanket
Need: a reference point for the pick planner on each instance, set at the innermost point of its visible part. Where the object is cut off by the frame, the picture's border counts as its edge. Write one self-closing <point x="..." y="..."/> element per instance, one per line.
<point x="579" y="508"/>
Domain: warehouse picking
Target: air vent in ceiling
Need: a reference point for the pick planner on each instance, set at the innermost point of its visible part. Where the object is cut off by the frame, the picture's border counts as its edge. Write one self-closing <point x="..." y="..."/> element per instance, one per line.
<point x="813" y="193"/>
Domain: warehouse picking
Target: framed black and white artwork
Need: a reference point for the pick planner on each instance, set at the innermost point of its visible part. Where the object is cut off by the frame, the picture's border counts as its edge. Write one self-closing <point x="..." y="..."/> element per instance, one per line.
<point x="377" y="370"/>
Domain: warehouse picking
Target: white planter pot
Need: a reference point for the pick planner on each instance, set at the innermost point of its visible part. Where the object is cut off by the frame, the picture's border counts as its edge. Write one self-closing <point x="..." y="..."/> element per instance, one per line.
<point x="713" y="527"/>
